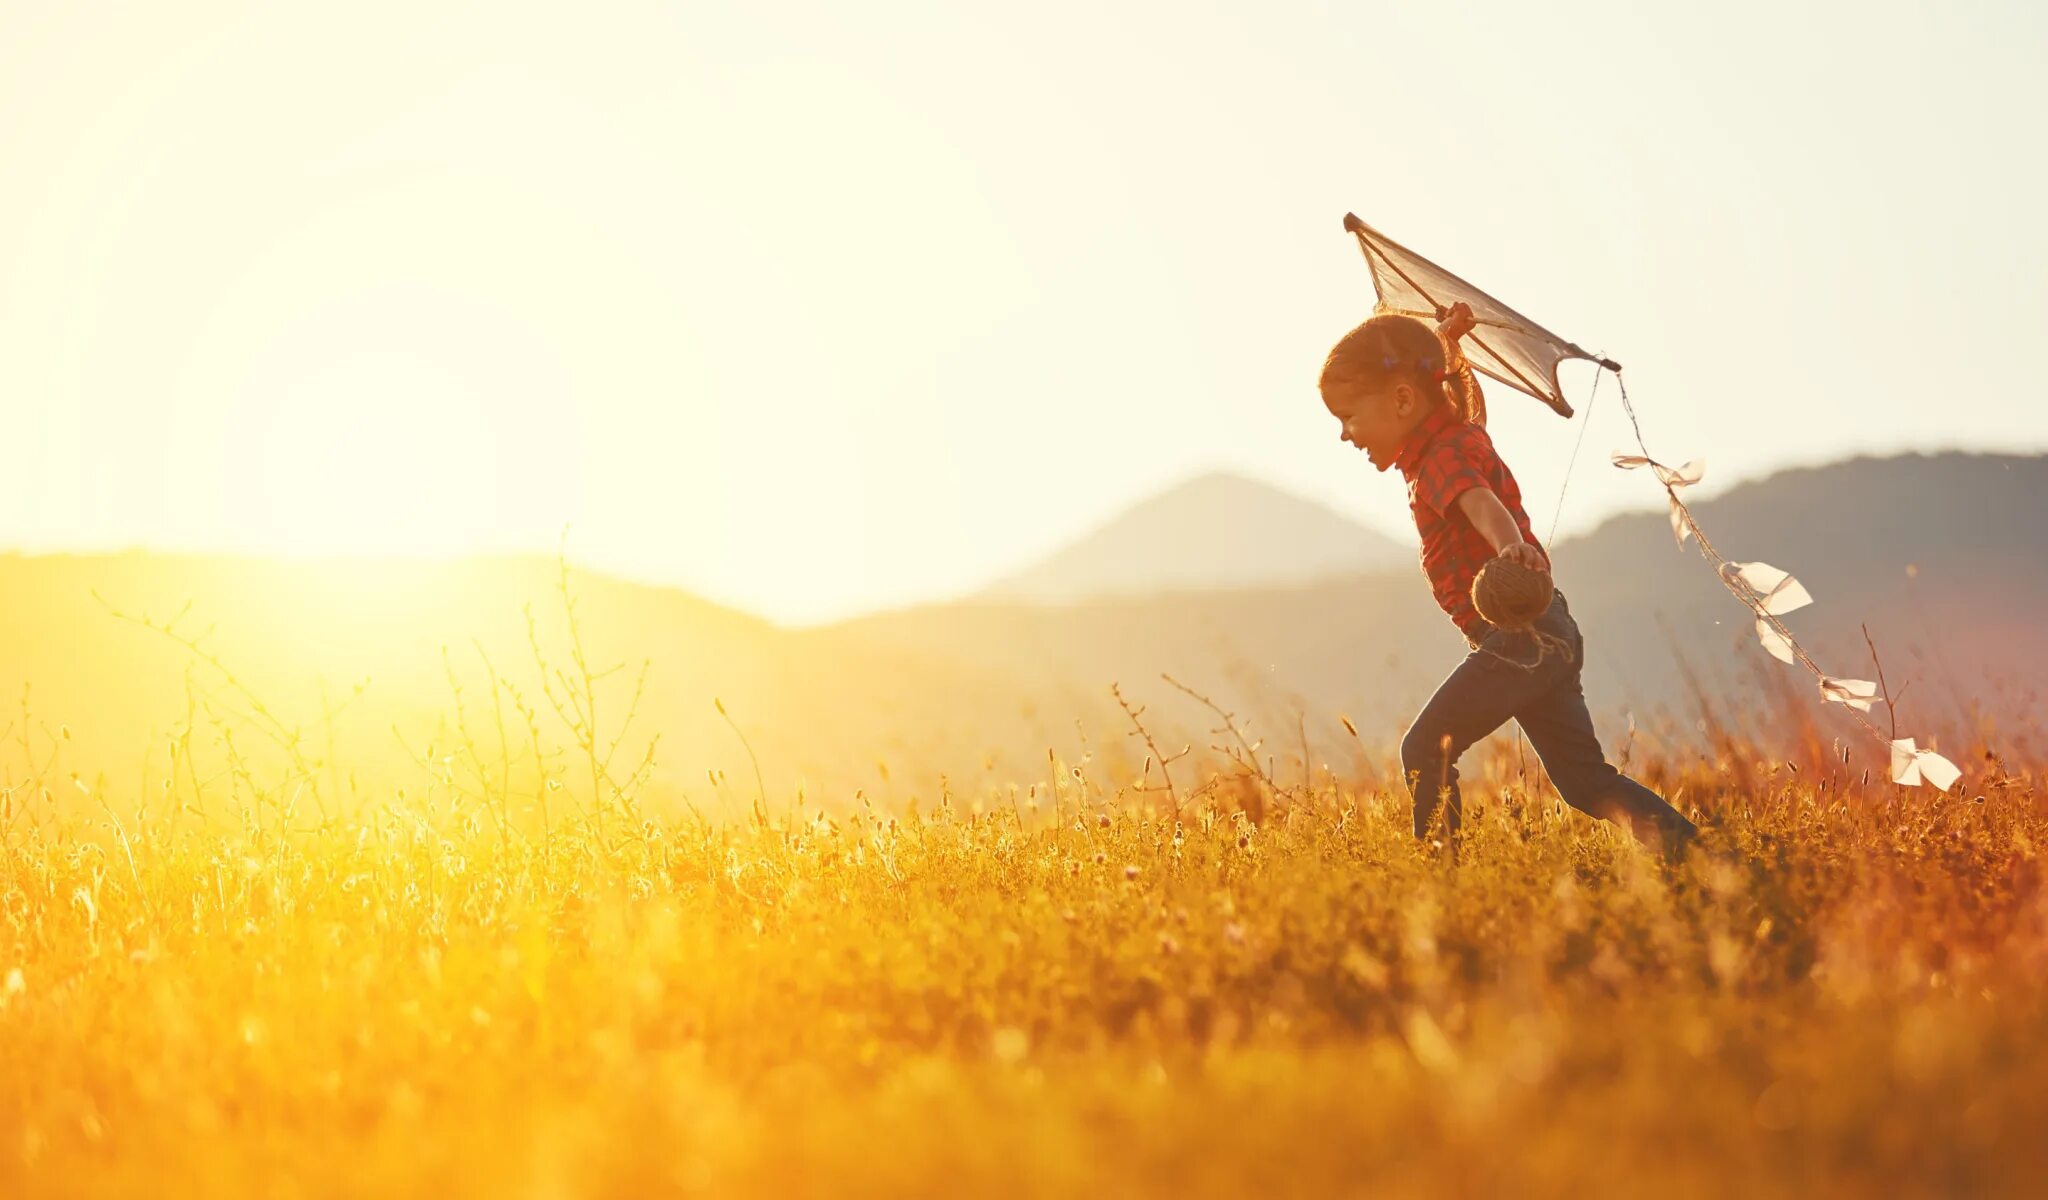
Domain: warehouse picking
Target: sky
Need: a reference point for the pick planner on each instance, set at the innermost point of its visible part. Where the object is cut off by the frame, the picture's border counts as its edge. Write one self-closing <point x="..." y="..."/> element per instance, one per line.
<point x="818" y="308"/>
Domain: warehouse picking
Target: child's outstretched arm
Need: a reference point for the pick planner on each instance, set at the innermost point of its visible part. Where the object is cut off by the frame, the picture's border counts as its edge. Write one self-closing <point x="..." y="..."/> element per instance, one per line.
<point x="1491" y="518"/>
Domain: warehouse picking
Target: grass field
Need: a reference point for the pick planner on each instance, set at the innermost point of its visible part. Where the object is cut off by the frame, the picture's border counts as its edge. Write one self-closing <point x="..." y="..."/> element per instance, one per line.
<point x="548" y="984"/>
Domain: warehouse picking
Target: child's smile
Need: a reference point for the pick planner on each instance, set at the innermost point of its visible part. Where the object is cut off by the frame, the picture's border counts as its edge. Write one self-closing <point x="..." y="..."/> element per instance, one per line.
<point x="1369" y="421"/>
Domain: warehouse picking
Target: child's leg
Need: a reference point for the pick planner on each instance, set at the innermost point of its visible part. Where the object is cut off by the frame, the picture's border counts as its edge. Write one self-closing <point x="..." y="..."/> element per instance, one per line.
<point x="1473" y="701"/>
<point x="1561" y="730"/>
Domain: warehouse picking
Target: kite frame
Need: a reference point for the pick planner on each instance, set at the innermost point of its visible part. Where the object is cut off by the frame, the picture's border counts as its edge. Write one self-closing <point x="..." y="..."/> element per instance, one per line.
<point x="1554" y="397"/>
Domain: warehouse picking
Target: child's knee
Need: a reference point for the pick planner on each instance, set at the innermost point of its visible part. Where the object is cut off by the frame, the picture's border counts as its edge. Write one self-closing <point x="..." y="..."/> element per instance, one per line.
<point x="1424" y="749"/>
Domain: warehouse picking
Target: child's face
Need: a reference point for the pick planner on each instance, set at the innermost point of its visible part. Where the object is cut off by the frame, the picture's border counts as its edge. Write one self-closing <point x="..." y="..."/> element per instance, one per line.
<point x="1375" y="418"/>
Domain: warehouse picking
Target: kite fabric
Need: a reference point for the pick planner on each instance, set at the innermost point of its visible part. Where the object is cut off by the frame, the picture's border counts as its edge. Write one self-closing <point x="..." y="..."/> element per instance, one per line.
<point x="1504" y="345"/>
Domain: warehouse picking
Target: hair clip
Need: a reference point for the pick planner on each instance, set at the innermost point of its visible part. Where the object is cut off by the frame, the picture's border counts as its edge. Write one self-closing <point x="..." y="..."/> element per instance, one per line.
<point x="1390" y="362"/>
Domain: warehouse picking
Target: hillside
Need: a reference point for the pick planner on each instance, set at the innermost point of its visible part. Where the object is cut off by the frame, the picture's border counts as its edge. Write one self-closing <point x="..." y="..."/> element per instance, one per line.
<point x="302" y="636"/>
<point x="1943" y="556"/>
<point x="1217" y="530"/>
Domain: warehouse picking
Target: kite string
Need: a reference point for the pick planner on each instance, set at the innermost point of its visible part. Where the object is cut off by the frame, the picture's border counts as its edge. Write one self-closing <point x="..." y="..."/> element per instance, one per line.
<point x="1748" y="595"/>
<point x="1550" y="538"/>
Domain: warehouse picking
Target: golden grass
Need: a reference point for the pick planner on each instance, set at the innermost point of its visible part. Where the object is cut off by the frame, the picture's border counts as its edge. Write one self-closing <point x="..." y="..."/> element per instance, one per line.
<point x="552" y="984"/>
<point x="1028" y="1003"/>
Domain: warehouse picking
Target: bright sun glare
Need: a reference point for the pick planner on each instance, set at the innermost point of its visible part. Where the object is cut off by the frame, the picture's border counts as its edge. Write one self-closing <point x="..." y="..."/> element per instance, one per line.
<point x="378" y="452"/>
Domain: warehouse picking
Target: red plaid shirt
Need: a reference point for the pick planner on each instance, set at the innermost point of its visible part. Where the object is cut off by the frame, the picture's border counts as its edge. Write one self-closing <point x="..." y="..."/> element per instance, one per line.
<point x="1443" y="459"/>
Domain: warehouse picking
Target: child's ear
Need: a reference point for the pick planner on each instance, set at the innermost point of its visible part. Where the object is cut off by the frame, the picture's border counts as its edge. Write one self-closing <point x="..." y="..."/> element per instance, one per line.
<point x="1404" y="400"/>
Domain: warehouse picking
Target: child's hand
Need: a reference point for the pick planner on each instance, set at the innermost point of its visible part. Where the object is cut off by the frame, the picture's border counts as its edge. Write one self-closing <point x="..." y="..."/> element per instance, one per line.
<point x="1522" y="554"/>
<point x="1458" y="321"/>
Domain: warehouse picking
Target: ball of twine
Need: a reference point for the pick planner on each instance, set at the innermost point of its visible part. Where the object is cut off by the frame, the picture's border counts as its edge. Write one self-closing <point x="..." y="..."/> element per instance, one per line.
<point x="1510" y="595"/>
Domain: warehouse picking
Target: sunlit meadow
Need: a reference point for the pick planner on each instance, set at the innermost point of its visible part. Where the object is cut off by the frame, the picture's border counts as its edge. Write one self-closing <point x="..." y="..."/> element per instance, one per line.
<point x="353" y="845"/>
<point x="522" y="968"/>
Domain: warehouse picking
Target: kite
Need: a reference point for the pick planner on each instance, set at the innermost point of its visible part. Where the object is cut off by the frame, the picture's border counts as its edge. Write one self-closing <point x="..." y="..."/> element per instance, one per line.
<point x="1505" y="345"/>
<point x="1509" y="347"/>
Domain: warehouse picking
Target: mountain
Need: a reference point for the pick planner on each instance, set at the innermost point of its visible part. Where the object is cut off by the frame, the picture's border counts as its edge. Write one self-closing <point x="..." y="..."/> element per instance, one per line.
<point x="1219" y="530"/>
<point x="1945" y="557"/>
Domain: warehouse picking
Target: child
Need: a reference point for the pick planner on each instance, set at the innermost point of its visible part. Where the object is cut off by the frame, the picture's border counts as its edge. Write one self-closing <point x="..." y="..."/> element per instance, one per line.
<point x="1405" y="396"/>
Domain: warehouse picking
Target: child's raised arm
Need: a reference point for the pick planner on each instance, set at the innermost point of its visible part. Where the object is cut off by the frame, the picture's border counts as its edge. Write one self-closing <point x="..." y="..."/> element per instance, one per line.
<point x="1461" y="383"/>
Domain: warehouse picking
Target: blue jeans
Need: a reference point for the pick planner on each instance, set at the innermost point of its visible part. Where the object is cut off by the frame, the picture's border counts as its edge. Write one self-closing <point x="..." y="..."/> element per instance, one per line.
<point x="1539" y="688"/>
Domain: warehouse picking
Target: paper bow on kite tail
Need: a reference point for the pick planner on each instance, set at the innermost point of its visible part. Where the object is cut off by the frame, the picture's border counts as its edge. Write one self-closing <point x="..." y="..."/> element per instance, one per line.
<point x="1504" y="345"/>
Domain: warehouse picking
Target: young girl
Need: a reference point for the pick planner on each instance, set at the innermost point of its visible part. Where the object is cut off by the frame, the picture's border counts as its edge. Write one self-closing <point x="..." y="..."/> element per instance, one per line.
<point x="1403" y="394"/>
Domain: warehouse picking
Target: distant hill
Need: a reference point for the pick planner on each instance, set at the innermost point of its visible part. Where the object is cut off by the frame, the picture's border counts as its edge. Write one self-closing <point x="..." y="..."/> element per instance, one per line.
<point x="108" y="694"/>
<point x="1218" y="530"/>
<point x="1944" y="556"/>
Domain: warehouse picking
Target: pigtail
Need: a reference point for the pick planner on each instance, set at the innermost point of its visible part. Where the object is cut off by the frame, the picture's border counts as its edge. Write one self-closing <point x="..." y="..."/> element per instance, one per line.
<point x="1461" y="388"/>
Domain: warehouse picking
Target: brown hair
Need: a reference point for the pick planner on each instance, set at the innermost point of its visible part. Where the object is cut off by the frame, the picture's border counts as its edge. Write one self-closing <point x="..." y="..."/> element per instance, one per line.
<point x="1395" y="347"/>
